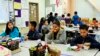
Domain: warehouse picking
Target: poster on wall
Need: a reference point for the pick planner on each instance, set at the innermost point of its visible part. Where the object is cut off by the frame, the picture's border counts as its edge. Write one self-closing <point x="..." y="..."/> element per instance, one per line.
<point x="17" y="5"/>
<point x="17" y="13"/>
<point x="18" y="1"/>
<point x="17" y="8"/>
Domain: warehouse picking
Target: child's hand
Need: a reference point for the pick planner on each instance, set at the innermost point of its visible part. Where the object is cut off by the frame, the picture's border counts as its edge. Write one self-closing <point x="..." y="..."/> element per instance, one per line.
<point x="80" y="46"/>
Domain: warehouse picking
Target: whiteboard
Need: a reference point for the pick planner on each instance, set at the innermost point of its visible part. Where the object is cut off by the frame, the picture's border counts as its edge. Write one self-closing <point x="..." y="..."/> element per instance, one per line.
<point x="4" y="12"/>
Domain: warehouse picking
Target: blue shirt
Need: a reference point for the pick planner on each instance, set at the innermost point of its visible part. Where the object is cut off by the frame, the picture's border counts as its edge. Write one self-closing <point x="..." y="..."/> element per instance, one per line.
<point x="80" y="23"/>
<point x="14" y="33"/>
<point x="75" y="19"/>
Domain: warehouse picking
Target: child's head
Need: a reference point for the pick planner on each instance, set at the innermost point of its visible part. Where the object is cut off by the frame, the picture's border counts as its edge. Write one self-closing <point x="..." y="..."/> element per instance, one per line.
<point x="56" y="26"/>
<point x="32" y="25"/>
<point x="94" y="20"/>
<point x="56" y="14"/>
<point x="83" y="30"/>
<point x="68" y="14"/>
<point x="63" y="15"/>
<point x="45" y="22"/>
<point x="51" y="14"/>
<point x="42" y="20"/>
<point x="9" y="25"/>
<point x="75" y="13"/>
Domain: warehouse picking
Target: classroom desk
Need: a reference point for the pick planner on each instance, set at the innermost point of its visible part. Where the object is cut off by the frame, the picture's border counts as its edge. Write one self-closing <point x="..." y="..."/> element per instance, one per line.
<point x="71" y="29"/>
<point x="97" y="35"/>
<point x="4" y="51"/>
<point x="96" y="32"/>
<point x="27" y="44"/>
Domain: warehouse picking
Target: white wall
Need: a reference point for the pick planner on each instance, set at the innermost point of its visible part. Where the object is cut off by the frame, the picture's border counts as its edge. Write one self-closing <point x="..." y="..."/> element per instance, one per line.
<point x="85" y="9"/>
<point x="59" y="10"/>
<point x="63" y="7"/>
<point x="4" y="11"/>
<point x="20" y="21"/>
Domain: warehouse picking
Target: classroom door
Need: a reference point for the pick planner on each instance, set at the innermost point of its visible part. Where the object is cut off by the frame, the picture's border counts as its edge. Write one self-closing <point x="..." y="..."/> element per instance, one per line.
<point x="33" y="12"/>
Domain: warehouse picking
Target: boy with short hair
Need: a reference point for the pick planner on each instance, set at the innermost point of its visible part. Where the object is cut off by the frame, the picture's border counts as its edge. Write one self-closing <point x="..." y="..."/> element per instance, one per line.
<point x="85" y="39"/>
<point x="75" y="18"/>
<point x="33" y="34"/>
<point x="56" y="35"/>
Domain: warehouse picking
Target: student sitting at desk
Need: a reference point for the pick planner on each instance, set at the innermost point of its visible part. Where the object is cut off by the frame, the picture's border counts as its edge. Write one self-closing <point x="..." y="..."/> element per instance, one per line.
<point x="56" y="35"/>
<point x="62" y="17"/>
<point x="75" y="18"/>
<point x="33" y="34"/>
<point x="80" y="21"/>
<point x="63" y="24"/>
<point x="11" y="30"/>
<point x="45" y="29"/>
<point x="68" y="19"/>
<point x="94" y="23"/>
<point x="41" y="24"/>
<point x="45" y="26"/>
<point x="84" y="39"/>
